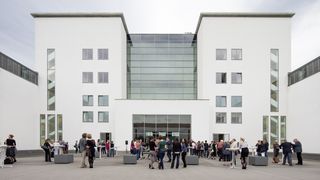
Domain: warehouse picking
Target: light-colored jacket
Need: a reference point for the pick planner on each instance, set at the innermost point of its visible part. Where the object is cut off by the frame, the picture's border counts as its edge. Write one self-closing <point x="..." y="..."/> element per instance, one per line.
<point x="82" y="144"/>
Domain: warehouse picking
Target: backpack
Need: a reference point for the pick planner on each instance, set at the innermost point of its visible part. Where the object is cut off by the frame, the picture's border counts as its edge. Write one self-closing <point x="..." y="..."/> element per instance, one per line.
<point x="8" y="160"/>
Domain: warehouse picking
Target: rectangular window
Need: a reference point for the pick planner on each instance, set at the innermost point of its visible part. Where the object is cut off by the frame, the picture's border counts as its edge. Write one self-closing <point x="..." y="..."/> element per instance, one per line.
<point x="221" y="101"/>
<point x="221" y="117"/>
<point x="236" y="78"/>
<point x="87" y="116"/>
<point x="236" y="101"/>
<point x="51" y="80"/>
<point x="87" y="54"/>
<point x="103" y="116"/>
<point x="283" y="128"/>
<point x="221" y="54"/>
<point x="236" y="118"/>
<point x="51" y="127"/>
<point x="103" y="77"/>
<point x="103" y="54"/>
<point x="221" y="78"/>
<point x="103" y="100"/>
<point x="236" y="54"/>
<point x="59" y="126"/>
<point x="274" y="77"/>
<point x="87" y="100"/>
<point x="87" y="77"/>
<point x="42" y="128"/>
<point x="274" y="129"/>
<point x="265" y="127"/>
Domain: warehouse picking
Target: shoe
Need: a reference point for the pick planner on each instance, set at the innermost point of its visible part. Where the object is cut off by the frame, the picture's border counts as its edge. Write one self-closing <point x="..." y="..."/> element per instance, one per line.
<point x="152" y="167"/>
<point x="290" y="164"/>
<point x="91" y="166"/>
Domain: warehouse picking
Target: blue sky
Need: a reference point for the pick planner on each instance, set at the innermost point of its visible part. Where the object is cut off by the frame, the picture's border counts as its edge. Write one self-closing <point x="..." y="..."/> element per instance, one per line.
<point x="161" y="16"/>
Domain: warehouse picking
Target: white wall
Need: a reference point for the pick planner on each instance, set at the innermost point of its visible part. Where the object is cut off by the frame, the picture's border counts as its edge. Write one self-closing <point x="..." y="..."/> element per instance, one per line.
<point x="304" y="112"/>
<point x="68" y="36"/>
<point x="18" y="110"/>
<point x="255" y="36"/>
<point x="199" y="110"/>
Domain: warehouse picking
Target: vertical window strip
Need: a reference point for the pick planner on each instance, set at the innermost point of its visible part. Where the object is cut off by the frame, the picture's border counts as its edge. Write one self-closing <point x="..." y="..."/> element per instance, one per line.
<point x="51" y="80"/>
<point x="274" y="80"/>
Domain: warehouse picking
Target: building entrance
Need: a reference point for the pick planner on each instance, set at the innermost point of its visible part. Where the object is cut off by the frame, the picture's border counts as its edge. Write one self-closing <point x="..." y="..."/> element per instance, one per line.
<point x="217" y="137"/>
<point x="155" y="125"/>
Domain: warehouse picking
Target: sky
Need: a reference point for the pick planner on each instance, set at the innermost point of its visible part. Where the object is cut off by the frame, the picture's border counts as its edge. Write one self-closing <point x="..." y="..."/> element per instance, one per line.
<point x="157" y="16"/>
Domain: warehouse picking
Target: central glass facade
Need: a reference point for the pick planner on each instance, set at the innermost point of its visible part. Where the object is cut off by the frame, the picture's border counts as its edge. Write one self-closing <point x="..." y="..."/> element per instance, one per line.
<point x="162" y="66"/>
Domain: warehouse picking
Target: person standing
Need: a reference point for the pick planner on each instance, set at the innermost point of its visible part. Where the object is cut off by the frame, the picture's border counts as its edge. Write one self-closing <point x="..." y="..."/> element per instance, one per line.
<point x="220" y="149"/>
<point x="76" y="147"/>
<point x="169" y="148"/>
<point x="286" y="149"/>
<point x="47" y="150"/>
<point x="82" y="150"/>
<point x="276" y="150"/>
<point x="243" y="145"/>
<point x="297" y="147"/>
<point x="176" y="150"/>
<point x="108" y="148"/>
<point x="153" y="155"/>
<point x="264" y="148"/>
<point x="11" y="147"/>
<point x="112" y="149"/>
<point x="184" y="150"/>
<point x="137" y="145"/>
<point x="91" y="144"/>
<point x="234" y="145"/>
<point x="162" y="150"/>
<point x="206" y="149"/>
<point x="259" y="147"/>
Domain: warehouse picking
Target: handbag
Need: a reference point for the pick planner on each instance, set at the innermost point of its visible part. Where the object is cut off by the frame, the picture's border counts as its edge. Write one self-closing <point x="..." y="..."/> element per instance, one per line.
<point x="44" y="147"/>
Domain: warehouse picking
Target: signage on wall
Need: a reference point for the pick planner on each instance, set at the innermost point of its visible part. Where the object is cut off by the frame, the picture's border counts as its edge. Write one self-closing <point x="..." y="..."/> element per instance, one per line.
<point x="163" y="134"/>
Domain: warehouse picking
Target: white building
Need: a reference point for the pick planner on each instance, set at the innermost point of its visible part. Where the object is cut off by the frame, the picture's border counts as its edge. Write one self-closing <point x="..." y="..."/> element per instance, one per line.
<point x="228" y="80"/>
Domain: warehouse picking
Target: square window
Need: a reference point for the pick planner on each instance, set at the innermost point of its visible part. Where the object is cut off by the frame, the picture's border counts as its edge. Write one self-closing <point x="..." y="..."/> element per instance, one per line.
<point x="103" y="116"/>
<point x="221" y="101"/>
<point x="87" y="77"/>
<point x="103" y="54"/>
<point x="221" y="117"/>
<point x="103" y="100"/>
<point x="236" y="101"/>
<point x="87" y="100"/>
<point x="221" y="54"/>
<point x="236" y="118"/>
<point x="87" y="116"/>
<point x="103" y="77"/>
<point x="221" y="78"/>
<point x="236" y="78"/>
<point x="87" y="54"/>
<point x="236" y="54"/>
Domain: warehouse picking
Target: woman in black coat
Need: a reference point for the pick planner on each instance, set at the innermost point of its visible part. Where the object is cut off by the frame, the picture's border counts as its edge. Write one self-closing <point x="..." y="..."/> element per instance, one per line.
<point x="90" y="150"/>
<point x="47" y="150"/>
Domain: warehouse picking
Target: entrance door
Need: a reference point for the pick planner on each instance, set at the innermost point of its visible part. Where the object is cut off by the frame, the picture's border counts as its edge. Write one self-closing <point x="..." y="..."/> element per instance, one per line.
<point x="105" y="136"/>
<point x="217" y="137"/>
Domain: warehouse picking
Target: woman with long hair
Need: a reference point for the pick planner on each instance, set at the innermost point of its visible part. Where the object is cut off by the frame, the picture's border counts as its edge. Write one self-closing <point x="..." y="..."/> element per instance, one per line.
<point x="90" y="150"/>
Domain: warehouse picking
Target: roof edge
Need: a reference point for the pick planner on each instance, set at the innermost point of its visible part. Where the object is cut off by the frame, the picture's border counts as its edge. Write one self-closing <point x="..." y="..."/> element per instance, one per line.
<point x="81" y="14"/>
<point x="244" y="14"/>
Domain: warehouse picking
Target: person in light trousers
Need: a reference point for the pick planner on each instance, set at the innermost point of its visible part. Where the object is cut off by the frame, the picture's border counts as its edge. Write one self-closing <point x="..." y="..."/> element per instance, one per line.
<point x="82" y="149"/>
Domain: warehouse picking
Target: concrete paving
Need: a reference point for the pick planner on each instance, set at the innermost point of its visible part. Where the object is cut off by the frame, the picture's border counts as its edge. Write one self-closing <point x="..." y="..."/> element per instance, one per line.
<point x="112" y="168"/>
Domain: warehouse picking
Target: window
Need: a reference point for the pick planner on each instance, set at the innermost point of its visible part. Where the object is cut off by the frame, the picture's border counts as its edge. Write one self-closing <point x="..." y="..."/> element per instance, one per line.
<point x="236" y="78"/>
<point x="221" y="54"/>
<point x="103" y="54"/>
<point x="236" y="54"/>
<point x="87" y="77"/>
<point x="103" y="116"/>
<point x="236" y="118"/>
<point x="60" y="127"/>
<point x="102" y="77"/>
<point x="42" y="128"/>
<point x="103" y="100"/>
<point x="87" y="100"/>
<point x="274" y="77"/>
<point x="87" y="116"/>
<point x="87" y="54"/>
<point x="221" y="78"/>
<point x="51" y="127"/>
<point x="221" y="117"/>
<point x="236" y="101"/>
<point x="221" y="101"/>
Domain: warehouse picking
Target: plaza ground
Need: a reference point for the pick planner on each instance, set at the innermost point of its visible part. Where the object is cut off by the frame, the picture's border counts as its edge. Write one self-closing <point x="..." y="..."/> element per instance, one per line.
<point x="112" y="168"/>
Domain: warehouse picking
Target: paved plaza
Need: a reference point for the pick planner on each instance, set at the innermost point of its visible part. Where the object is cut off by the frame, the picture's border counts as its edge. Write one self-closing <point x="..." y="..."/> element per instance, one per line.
<point x="112" y="168"/>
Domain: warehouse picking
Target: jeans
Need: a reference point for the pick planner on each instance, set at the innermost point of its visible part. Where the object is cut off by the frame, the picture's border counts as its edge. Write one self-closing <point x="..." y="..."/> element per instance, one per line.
<point x="161" y="156"/>
<point x="287" y="156"/>
<point x="175" y="155"/>
<point x="138" y="154"/>
<point x="169" y="154"/>
<point x="183" y="157"/>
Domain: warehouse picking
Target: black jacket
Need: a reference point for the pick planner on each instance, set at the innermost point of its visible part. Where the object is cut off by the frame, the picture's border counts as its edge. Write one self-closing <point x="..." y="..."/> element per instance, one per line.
<point x="176" y="147"/>
<point x="286" y="147"/>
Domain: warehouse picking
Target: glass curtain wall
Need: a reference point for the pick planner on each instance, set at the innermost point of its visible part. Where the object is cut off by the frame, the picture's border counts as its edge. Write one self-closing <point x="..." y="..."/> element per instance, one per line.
<point x="274" y="129"/>
<point x="51" y="82"/>
<point x="274" y="91"/>
<point x="283" y="128"/>
<point x="60" y="127"/>
<point x="162" y="66"/>
<point x="172" y="126"/>
<point x="265" y="127"/>
<point x="51" y="127"/>
<point x="42" y="128"/>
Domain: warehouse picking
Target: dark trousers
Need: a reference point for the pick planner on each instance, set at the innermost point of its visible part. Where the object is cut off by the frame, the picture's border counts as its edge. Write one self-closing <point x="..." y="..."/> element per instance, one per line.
<point x="169" y="154"/>
<point x="299" y="157"/>
<point x="175" y="156"/>
<point x="183" y="157"/>
<point x="161" y="156"/>
<point x="287" y="156"/>
<point x="47" y="155"/>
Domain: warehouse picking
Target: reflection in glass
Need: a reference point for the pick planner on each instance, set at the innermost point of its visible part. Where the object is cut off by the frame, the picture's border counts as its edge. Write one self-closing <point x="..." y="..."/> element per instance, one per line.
<point x="59" y="126"/>
<point x="51" y="127"/>
<point x="265" y="127"/>
<point x="42" y="128"/>
<point x="274" y="129"/>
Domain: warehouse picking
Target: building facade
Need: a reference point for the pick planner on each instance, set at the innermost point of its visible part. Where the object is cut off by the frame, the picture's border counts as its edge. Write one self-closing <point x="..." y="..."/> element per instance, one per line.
<point x="228" y="80"/>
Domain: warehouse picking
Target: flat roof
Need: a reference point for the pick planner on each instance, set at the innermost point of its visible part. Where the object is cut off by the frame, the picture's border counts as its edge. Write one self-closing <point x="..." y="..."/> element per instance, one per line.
<point x="243" y="14"/>
<point x="81" y="14"/>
